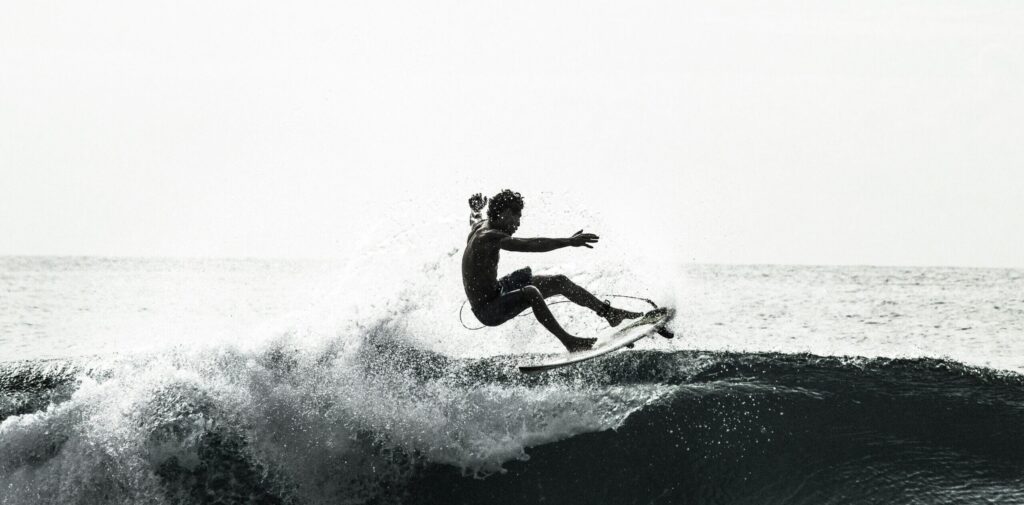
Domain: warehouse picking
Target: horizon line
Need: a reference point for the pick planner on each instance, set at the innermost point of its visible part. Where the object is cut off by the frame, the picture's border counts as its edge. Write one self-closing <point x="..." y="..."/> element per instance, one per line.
<point x="338" y="258"/>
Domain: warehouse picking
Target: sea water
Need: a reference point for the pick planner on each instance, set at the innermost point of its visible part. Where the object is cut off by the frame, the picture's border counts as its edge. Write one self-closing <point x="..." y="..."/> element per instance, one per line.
<point x="353" y="381"/>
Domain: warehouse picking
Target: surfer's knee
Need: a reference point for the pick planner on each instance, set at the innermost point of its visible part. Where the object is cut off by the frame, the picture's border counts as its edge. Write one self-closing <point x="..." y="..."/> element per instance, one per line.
<point x="532" y="293"/>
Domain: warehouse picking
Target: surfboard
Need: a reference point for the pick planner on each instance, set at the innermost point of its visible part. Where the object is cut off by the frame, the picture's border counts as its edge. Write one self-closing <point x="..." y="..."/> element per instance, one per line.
<point x="650" y="323"/>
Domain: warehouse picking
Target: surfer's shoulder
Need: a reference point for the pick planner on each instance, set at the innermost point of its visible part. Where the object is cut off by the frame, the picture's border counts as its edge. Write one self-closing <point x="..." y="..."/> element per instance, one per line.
<point x="481" y="231"/>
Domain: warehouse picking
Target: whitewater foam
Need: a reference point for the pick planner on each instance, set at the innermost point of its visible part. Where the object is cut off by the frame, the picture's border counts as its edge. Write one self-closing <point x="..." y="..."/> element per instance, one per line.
<point x="368" y="410"/>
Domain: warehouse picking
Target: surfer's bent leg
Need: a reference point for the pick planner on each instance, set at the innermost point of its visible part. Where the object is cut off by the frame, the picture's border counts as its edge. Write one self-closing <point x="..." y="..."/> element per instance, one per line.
<point x="551" y="285"/>
<point x="543" y="313"/>
<point x="502" y="308"/>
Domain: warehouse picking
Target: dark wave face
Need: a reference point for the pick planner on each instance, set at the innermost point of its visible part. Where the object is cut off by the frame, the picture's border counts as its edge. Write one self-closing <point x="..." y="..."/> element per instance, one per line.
<point x="387" y="423"/>
<point x="771" y="428"/>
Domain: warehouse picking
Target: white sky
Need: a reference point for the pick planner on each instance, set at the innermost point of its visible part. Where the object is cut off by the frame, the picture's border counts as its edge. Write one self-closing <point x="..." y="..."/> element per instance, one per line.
<point x="862" y="132"/>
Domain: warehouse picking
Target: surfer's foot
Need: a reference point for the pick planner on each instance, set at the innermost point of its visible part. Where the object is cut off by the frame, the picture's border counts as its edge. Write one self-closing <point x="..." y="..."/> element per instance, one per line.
<point x="576" y="344"/>
<point x="615" y="316"/>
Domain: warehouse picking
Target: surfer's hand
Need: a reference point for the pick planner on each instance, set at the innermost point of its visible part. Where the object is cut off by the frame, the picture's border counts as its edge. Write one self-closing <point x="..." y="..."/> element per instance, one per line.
<point x="477" y="202"/>
<point x="583" y="239"/>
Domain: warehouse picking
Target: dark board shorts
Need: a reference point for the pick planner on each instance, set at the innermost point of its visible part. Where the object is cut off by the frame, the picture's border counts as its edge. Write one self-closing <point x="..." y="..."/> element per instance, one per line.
<point x="510" y="302"/>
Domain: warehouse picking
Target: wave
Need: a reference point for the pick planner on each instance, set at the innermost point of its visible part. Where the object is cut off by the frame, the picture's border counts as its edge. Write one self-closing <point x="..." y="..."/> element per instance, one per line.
<point x="773" y="428"/>
<point x="370" y="418"/>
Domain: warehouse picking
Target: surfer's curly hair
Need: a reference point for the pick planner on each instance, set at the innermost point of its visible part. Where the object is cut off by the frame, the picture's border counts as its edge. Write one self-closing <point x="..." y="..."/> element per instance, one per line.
<point x="506" y="199"/>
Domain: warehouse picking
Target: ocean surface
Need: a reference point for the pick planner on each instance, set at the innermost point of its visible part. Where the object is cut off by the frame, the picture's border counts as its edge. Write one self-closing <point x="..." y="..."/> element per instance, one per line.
<point x="173" y="381"/>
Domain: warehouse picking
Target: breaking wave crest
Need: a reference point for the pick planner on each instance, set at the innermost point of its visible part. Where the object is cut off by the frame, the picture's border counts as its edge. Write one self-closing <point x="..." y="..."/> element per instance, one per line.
<point x="375" y="420"/>
<point x="350" y="419"/>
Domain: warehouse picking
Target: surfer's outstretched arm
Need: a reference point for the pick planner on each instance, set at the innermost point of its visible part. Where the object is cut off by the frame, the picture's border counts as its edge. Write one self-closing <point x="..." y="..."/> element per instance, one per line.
<point x="578" y="239"/>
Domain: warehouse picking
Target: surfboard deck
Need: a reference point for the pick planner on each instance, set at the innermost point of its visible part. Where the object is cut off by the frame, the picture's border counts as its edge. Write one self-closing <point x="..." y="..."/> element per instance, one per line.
<point x="649" y="324"/>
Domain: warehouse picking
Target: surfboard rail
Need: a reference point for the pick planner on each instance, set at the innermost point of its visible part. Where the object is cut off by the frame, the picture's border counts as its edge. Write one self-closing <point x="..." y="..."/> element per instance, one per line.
<point x="652" y="322"/>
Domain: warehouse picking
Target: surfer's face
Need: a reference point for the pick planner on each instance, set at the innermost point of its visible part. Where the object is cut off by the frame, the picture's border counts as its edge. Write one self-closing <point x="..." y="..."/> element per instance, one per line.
<point x="508" y="220"/>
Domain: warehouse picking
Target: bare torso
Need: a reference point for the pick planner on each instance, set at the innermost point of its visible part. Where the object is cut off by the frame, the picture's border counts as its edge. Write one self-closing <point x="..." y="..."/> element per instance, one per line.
<point x="480" y="264"/>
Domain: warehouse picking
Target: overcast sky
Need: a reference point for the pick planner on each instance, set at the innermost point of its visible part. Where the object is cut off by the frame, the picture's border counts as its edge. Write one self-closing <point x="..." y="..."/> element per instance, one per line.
<point x="759" y="132"/>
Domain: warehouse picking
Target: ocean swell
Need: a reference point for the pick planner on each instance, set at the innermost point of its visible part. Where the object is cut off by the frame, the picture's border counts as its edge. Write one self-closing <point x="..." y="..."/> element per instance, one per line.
<point x="370" y="418"/>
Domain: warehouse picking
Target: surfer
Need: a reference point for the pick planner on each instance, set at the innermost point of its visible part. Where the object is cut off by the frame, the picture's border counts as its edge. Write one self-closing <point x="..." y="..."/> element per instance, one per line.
<point x="494" y="300"/>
